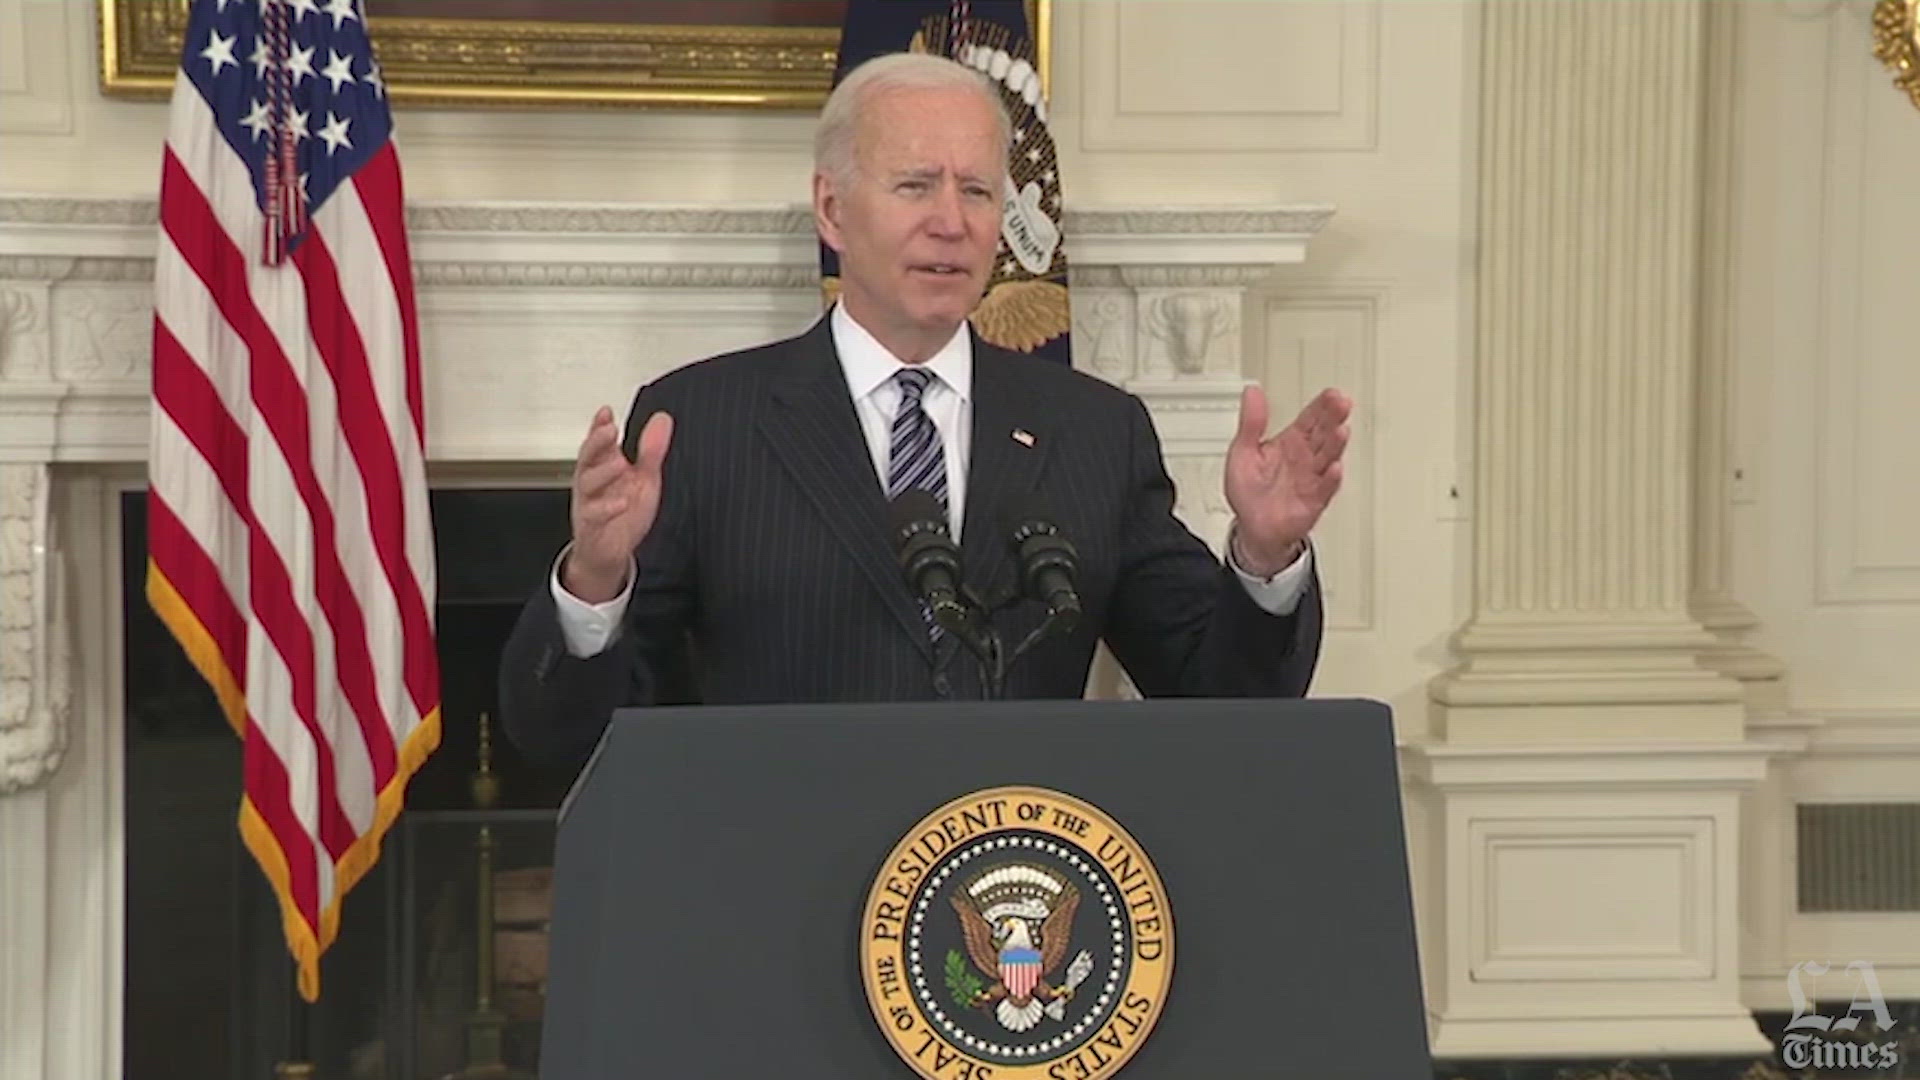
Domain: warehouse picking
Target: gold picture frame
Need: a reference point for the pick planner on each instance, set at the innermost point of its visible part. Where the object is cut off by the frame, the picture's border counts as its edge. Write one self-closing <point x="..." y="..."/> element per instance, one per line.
<point x="522" y="63"/>
<point x="1896" y="43"/>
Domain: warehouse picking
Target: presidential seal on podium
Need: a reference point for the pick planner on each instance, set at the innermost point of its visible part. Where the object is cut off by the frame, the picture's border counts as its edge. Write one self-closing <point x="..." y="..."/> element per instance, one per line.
<point x="1016" y="933"/>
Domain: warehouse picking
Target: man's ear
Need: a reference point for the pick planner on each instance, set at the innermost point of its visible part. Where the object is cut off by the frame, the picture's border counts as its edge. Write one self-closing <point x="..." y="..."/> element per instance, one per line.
<point x="826" y="211"/>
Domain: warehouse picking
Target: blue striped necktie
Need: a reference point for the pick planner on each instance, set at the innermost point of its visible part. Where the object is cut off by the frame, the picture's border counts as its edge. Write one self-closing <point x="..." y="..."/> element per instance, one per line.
<point x="914" y="456"/>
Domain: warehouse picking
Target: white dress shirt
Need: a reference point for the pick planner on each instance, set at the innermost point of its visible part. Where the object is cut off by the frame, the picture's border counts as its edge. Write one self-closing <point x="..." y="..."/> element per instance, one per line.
<point x="947" y="401"/>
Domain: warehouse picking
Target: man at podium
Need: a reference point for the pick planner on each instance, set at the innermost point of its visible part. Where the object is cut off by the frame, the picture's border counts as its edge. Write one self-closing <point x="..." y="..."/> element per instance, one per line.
<point x="742" y="539"/>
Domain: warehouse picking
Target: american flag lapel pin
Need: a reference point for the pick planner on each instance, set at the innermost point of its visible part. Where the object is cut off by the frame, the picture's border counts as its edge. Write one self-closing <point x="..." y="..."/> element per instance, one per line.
<point x="1023" y="436"/>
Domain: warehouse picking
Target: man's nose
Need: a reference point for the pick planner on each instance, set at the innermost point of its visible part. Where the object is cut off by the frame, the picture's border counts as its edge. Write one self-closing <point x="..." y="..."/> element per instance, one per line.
<point x="947" y="218"/>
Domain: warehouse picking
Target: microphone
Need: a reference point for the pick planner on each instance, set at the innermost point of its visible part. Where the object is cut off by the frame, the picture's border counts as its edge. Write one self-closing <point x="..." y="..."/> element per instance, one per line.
<point x="928" y="557"/>
<point x="1048" y="562"/>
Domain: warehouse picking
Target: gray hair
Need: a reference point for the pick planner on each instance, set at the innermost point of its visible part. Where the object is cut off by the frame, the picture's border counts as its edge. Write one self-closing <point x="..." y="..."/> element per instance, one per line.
<point x="833" y="140"/>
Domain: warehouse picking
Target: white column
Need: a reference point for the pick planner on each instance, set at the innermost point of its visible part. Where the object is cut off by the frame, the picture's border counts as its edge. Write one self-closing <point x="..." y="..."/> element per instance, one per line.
<point x="1590" y="161"/>
<point x="1584" y="789"/>
<point x="34" y="650"/>
<point x="60" y="873"/>
<point x="1717" y="480"/>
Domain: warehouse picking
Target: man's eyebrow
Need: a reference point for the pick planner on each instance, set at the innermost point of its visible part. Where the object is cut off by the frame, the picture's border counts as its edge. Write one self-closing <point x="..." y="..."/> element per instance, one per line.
<point x="934" y="172"/>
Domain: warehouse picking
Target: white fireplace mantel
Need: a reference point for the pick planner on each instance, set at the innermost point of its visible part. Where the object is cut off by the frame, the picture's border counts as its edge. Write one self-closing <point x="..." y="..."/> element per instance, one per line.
<point x="531" y="316"/>
<point x="611" y="294"/>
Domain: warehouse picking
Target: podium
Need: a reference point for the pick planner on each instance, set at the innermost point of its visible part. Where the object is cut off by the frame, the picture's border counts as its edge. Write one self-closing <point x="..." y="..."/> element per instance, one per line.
<point x="831" y="892"/>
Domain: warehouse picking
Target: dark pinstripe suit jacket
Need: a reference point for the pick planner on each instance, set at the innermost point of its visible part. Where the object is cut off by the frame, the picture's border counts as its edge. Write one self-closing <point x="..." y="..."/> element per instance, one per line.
<point x="769" y="574"/>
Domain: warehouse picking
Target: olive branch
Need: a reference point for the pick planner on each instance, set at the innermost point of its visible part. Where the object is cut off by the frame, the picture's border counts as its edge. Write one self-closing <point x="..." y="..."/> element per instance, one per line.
<point x="962" y="983"/>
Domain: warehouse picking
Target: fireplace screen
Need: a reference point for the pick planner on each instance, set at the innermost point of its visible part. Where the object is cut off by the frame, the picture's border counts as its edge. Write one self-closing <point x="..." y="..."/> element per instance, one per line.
<point x="414" y="987"/>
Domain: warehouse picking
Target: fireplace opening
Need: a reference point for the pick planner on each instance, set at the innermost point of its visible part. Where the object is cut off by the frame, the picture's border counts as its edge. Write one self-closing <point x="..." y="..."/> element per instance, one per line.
<point x="209" y="984"/>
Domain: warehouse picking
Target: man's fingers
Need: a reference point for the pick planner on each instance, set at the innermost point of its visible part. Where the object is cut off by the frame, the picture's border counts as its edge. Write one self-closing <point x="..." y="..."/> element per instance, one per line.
<point x="1333" y="409"/>
<point x="609" y="505"/>
<point x="1323" y="416"/>
<point x="1253" y="416"/>
<point x="592" y="515"/>
<point x="1330" y="481"/>
<point x="602" y="439"/>
<point x="1331" y="404"/>
<point x="597" y="477"/>
<point x="654" y="438"/>
<point x="1327" y="454"/>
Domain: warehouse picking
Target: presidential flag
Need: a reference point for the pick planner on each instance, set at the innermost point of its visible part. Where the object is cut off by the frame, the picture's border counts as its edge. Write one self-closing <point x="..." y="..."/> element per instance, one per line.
<point x="290" y="549"/>
<point x="1025" y="306"/>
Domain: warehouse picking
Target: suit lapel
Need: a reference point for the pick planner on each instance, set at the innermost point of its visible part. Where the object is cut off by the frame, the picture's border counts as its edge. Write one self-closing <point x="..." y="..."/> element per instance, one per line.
<point x="1010" y="449"/>
<point x="816" y="436"/>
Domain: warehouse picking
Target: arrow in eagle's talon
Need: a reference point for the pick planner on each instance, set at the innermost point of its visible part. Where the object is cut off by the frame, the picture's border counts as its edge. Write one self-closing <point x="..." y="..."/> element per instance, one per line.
<point x="1077" y="973"/>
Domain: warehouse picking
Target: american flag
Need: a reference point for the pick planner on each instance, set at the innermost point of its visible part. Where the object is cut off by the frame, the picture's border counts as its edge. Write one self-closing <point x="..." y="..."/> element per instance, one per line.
<point x="290" y="548"/>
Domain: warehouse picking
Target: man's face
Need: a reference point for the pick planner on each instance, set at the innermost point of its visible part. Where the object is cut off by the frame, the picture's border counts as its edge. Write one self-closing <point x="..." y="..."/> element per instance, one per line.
<point x="917" y="227"/>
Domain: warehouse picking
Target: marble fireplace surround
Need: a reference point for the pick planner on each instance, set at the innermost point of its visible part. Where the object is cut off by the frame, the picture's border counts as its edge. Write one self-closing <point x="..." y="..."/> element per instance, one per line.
<point x="531" y="316"/>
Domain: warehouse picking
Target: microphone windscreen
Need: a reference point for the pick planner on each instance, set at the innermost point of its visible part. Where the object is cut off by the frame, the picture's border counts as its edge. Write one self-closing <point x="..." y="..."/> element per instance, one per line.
<point x="915" y="505"/>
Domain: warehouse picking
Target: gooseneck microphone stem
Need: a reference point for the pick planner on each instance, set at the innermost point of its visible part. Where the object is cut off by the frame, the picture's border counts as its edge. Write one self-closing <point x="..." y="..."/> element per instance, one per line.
<point x="976" y="632"/>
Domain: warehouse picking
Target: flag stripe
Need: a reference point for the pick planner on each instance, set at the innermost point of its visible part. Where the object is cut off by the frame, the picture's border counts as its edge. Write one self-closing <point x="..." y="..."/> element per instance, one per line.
<point x="201" y="546"/>
<point x="380" y="180"/>
<point x="192" y="411"/>
<point x="269" y="791"/>
<point x="195" y="326"/>
<point x="191" y="581"/>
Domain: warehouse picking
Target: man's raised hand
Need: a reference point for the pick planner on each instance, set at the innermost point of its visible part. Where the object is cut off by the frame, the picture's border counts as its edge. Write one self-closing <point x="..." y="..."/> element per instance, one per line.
<point x="614" y="504"/>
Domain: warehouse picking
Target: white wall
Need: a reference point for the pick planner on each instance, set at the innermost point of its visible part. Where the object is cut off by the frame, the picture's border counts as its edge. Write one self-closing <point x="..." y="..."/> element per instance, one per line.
<point x="1828" y="524"/>
<point x="1822" y="233"/>
<point x="1362" y="105"/>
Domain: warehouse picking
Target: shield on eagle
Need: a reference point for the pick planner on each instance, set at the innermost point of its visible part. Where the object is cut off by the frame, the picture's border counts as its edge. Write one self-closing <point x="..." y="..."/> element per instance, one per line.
<point x="1019" y="969"/>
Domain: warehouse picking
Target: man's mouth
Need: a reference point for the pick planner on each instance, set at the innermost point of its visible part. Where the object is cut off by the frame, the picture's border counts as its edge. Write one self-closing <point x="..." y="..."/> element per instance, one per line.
<point x="942" y="269"/>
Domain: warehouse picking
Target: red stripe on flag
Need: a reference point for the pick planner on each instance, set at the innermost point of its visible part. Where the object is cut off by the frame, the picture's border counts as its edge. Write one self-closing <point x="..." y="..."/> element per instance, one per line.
<point x="196" y="580"/>
<point x="268" y="790"/>
<point x="345" y="356"/>
<point x="182" y="389"/>
<point x="382" y="195"/>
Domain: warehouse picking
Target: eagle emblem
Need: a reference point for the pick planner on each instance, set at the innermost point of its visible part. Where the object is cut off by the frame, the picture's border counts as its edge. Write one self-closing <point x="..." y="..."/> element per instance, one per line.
<point x="1017" y="921"/>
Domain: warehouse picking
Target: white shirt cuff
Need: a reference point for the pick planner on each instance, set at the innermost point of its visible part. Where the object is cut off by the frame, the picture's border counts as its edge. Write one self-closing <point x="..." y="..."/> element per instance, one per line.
<point x="1279" y="594"/>
<point x="588" y="628"/>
